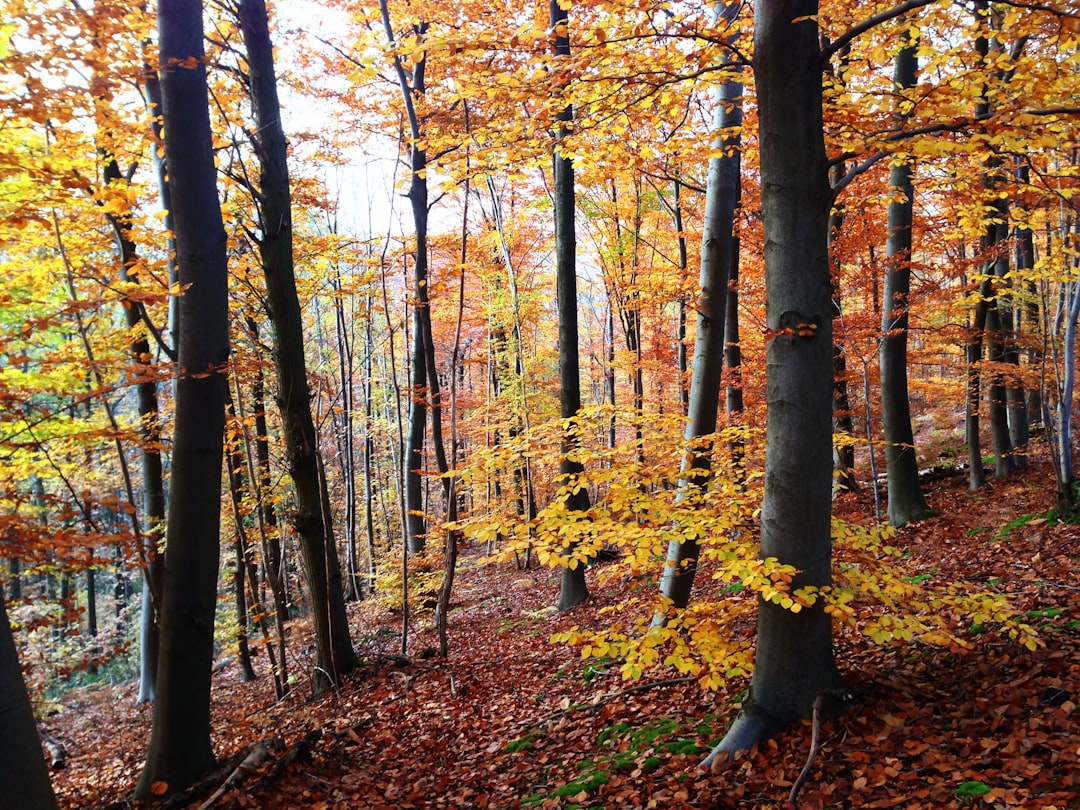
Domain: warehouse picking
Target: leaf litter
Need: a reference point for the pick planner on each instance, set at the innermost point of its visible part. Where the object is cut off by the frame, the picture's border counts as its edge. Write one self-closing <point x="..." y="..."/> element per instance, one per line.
<point x="512" y="721"/>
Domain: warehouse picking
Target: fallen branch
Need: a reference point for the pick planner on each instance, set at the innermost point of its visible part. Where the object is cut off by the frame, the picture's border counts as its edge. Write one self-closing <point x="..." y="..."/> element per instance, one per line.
<point x="248" y="766"/>
<point x="300" y="751"/>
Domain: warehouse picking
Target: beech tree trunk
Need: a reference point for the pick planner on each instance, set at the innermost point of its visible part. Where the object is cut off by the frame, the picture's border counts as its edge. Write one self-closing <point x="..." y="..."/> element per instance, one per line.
<point x="998" y="325"/>
<point x="973" y="351"/>
<point x="717" y="241"/>
<point x="413" y="86"/>
<point x="153" y="486"/>
<point x="681" y="364"/>
<point x="180" y="748"/>
<point x="906" y="500"/>
<point x="334" y="654"/>
<point x="794" y="662"/>
<point x="844" y="453"/>
<point x="573" y="590"/>
<point x="23" y="773"/>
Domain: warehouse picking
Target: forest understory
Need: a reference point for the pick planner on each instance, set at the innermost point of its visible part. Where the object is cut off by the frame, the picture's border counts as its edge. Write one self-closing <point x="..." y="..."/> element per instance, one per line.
<point x="510" y="720"/>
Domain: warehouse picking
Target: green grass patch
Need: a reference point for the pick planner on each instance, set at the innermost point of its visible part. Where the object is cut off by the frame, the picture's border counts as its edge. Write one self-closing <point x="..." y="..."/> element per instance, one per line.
<point x="626" y="748"/>
<point x="966" y="791"/>
<point x="523" y="743"/>
<point x="1004" y="532"/>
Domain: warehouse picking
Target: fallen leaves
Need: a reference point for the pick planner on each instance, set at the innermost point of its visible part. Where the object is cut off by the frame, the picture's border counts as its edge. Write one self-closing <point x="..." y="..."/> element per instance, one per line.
<point x="512" y="721"/>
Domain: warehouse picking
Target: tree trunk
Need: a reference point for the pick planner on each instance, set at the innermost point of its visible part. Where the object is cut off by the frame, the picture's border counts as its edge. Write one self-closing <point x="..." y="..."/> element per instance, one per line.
<point x="1027" y="314"/>
<point x="413" y="87"/>
<point x="998" y="326"/>
<point x="844" y="453"/>
<point x="681" y="364"/>
<point x="906" y="501"/>
<point x="794" y="661"/>
<point x="22" y="767"/>
<point x="721" y="199"/>
<point x="180" y="746"/>
<point x="153" y="485"/>
<point x="573" y="590"/>
<point x="274" y="563"/>
<point x="234" y="465"/>
<point x="334" y="653"/>
<point x="973" y="356"/>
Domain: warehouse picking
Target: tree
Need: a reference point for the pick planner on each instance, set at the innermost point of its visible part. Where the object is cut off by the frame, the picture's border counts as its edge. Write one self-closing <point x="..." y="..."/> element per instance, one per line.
<point x="794" y="664"/>
<point x="906" y="501"/>
<point x="22" y="768"/>
<point x="718" y="253"/>
<point x="313" y="520"/>
<point x="573" y="590"/>
<point x="180" y="747"/>
<point x="412" y="86"/>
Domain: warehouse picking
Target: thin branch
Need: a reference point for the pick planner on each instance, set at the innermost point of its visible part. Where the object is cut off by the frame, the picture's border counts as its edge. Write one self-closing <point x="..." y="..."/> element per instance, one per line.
<point x="846" y="38"/>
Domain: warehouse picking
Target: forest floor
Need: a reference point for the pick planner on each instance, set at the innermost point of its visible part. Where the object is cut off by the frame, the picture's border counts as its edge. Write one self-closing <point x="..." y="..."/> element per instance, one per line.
<point x="510" y="720"/>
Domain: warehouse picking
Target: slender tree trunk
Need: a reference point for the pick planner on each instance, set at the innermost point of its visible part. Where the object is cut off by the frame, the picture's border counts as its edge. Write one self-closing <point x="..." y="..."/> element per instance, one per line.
<point x="450" y="556"/>
<point x="259" y="476"/>
<point x="369" y="447"/>
<point x="843" y="423"/>
<point x="153" y="486"/>
<point x="334" y="653"/>
<point x="794" y="664"/>
<point x="274" y="562"/>
<point x="733" y="395"/>
<point x="15" y="578"/>
<point x="412" y="87"/>
<point x="573" y="590"/>
<point x="906" y="500"/>
<point x="998" y="325"/>
<point x="22" y="767"/>
<point x="344" y="419"/>
<point x="234" y="463"/>
<point x="721" y="200"/>
<point x="1063" y="452"/>
<point x="681" y="364"/>
<point x="973" y="351"/>
<point x="1027" y="314"/>
<point x="180" y="746"/>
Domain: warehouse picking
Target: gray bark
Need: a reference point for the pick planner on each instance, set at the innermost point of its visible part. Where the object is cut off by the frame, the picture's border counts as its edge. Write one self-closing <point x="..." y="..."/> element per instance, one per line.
<point x="794" y="661"/>
<point x="22" y="767"/>
<point x="180" y="747"/>
<point x="572" y="590"/>
<point x="334" y="655"/>
<point x="973" y="355"/>
<point x="906" y="500"/>
<point x="717" y="241"/>
<point x="153" y="486"/>
<point x="997" y="327"/>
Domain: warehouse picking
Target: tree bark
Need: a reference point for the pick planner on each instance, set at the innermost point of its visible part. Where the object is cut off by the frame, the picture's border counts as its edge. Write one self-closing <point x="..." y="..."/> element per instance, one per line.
<point x="22" y="767"/>
<point x="717" y="240"/>
<point x="794" y="661"/>
<point x="180" y="746"/>
<point x="153" y="486"/>
<point x="906" y="500"/>
<point x="334" y="652"/>
<point x="844" y="453"/>
<point x="573" y="590"/>
<point x="411" y="87"/>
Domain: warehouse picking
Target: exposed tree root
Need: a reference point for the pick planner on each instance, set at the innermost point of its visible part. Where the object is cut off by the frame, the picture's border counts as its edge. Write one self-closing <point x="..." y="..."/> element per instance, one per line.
<point x="815" y="744"/>
<point x="752" y="726"/>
